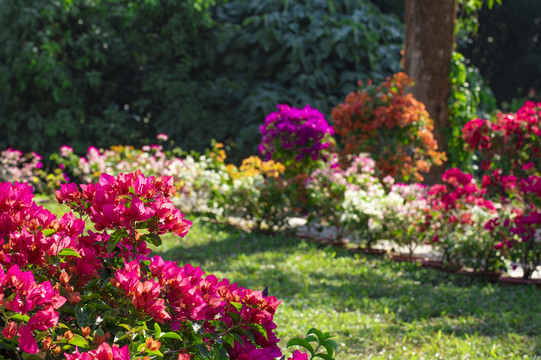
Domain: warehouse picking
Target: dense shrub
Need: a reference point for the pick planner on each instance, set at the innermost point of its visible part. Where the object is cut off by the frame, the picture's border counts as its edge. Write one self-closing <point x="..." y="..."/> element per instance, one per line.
<point x="107" y="72"/>
<point x="391" y="125"/>
<point x="298" y="138"/>
<point x="68" y="74"/>
<point x="506" y="49"/>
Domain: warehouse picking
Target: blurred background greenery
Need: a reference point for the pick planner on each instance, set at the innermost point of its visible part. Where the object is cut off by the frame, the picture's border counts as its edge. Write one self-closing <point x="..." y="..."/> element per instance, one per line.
<point x="105" y="72"/>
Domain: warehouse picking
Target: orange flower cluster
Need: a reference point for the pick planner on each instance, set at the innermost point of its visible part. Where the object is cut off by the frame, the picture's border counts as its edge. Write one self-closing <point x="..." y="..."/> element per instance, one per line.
<point x="391" y="125"/>
<point x="217" y="153"/>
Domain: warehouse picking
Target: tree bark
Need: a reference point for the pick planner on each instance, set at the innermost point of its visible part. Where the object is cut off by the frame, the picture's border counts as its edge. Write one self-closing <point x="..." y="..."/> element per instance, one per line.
<point x="430" y="39"/>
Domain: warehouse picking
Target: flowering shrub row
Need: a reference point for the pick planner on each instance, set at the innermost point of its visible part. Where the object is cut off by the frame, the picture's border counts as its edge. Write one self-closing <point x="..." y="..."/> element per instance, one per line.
<point x="71" y="294"/>
<point x="480" y="224"/>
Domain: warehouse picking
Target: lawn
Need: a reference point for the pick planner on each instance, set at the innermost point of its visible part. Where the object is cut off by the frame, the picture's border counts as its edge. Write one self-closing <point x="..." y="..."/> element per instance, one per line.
<point x="376" y="308"/>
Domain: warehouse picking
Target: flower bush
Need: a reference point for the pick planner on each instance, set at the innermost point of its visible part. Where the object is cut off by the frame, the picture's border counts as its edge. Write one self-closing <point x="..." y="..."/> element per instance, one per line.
<point x="518" y="225"/>
<point x="510" y="143"/>
<point x="71" y="294"/>
<point x="460" y="212"/>
<point x="17" y="166"/>
<point x="198" y="177"/>
<point x="258" y="192"/>
<point x="296" y="137"/>
<point x="390" y="125"/>
<point x="508" y="147"/>
<point x="348" y="199"/>
<point x="404" y="212"/>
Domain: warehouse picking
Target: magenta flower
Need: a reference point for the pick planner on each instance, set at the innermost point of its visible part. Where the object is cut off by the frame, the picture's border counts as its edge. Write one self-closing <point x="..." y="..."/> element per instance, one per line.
<point x="295" y="133"/>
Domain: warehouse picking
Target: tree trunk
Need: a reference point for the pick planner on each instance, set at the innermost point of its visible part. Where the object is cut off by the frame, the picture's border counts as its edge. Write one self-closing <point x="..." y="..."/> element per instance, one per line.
<point x="430" y="26"/>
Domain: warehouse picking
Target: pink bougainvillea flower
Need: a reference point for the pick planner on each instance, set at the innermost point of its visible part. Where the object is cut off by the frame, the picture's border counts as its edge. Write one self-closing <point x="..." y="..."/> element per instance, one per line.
<point x="27" y="342"/>
<point x="10" y="330"/>
<point x="297" y="355"/>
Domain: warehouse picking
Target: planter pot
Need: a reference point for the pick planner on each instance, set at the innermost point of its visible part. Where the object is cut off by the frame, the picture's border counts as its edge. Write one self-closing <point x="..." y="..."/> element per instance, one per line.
<point x="509" y="281"/>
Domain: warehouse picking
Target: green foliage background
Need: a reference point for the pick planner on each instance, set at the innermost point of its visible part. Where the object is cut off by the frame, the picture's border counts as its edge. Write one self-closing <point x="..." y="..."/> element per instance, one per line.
<point x="107" y="72"/>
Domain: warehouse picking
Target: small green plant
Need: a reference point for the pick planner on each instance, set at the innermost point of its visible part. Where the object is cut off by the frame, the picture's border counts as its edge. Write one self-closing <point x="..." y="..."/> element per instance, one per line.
<point x="325" y="347"/>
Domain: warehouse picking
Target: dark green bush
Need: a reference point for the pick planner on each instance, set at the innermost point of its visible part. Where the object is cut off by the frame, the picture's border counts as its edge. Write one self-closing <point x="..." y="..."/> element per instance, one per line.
<point x="66" y="74"/>
<point x="89" y="73"/>
<point x="507" y="50"/>
<point x="110" y="72"/>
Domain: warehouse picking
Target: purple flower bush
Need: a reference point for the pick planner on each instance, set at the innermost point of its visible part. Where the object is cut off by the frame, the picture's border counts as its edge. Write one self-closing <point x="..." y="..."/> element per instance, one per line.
<point x="296" y="137"/>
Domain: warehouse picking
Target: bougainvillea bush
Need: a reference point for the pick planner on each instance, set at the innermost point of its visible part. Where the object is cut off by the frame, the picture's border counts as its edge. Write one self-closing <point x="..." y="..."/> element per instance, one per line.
<point x="404" y="212"/>
<point x="457" y="227"/>
<point x="296" y="138"/>
<point x="257" y="191"/>
<point x="17" y="166"/>
<point x="348" y="199"/>
<point x="391" y="125"/>
<point x="98" y="294"/>
<point x="518" y="225"/>
<point x="197" y="177"/>
<point x="510" y="143"/>
<point x="509" y="148"/>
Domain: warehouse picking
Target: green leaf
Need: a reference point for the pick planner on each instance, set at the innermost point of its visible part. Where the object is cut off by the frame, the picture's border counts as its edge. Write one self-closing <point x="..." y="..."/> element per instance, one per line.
<point x="114" y="239"/>
<point x="223" y="355"/>
<point x="235" y="317"/>
<point x="328" y="347"/>
<point x="238" y="339"/>
<point x="260" y="329"/>
<point x="301" y="342"/>
<point x="237" y="305"/>
<point x="68" y="252"/>
<point x="27" y="356"/>
<point x="20" y="317"/>
<point x="157" y="330"/>
<point x="47" y="232"/>
<point x="171" y="335"/>
<point x="120" y="335"/>
<point x="332" y="344"/>
<point x="78" y="340"/>
<point x="125" y="326"/>
<point x="82" y="314"/>
<point x="311" y="338"/>
<point x="155" y="352"/>
<point x="154" y="239"/>
<point x="203" y="350"/>
<point x="318" y="333"/>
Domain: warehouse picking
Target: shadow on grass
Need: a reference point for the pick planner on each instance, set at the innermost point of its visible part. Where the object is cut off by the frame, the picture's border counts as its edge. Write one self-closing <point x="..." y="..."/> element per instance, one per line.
<point x="309" y="275"/>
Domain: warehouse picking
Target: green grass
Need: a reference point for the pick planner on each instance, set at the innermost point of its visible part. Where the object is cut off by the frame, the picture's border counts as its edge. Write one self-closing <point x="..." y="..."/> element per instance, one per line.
<point x="377" y="309"/>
